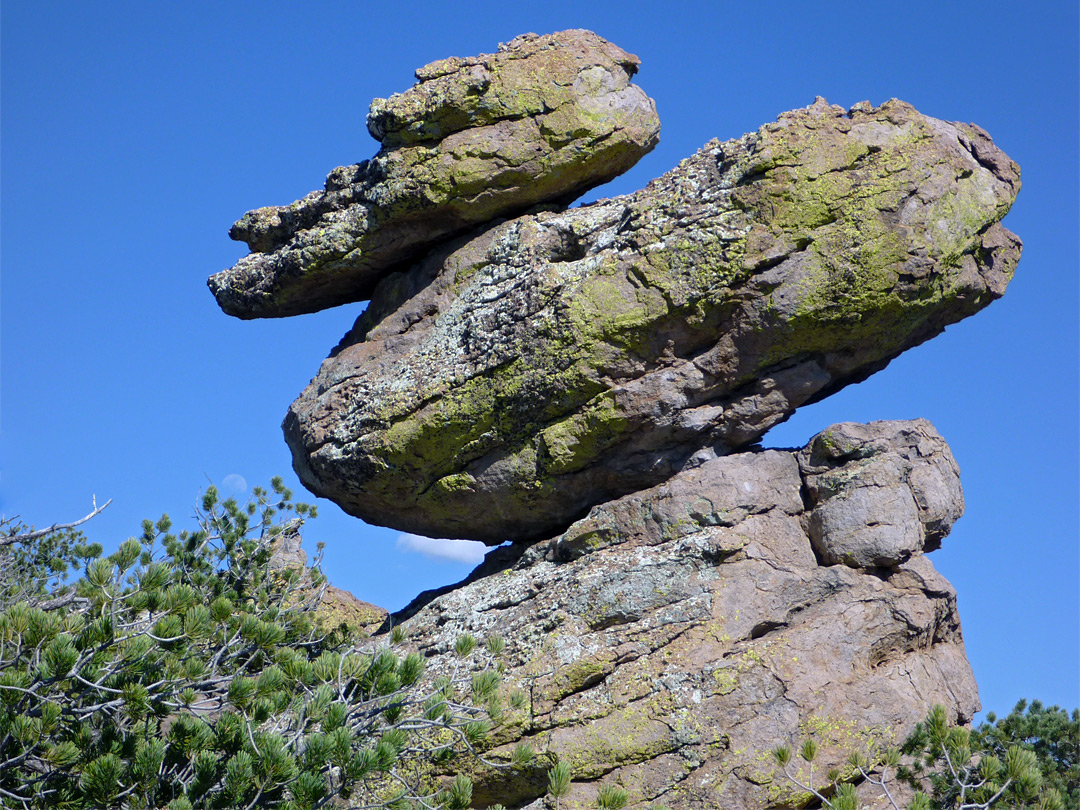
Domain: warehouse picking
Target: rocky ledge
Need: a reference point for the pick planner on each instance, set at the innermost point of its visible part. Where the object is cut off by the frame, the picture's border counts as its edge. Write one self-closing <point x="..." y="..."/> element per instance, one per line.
<point x="670" y="639"/>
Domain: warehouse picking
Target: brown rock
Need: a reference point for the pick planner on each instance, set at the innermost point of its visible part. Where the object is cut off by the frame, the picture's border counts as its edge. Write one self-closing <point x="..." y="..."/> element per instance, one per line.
<point x="337" y="608"/>
<point x="506" y="383"/>
<point x="669" y="640"/>
<point x="878" y="499"/>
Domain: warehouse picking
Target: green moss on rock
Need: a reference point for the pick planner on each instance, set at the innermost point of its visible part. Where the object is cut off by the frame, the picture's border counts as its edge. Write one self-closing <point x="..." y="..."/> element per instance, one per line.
<point x="578" y="355"/>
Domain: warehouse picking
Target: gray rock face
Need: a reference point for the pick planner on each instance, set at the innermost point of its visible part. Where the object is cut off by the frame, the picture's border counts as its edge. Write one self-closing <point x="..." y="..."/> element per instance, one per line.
<point x="668" y="640"/>
<point x="511" y="380"/>
<point x="544" y="119"/>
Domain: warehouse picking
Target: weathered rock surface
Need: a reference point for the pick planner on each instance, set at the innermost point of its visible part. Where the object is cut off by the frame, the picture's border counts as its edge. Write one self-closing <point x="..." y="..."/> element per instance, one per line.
<point x="544" y="119"/>
<point x="879" y="499"/>
<point x="592" y="379"/>
<point x="337" y="607"/>
<point x="670" y="639"/>
<point x="511" y="380"/>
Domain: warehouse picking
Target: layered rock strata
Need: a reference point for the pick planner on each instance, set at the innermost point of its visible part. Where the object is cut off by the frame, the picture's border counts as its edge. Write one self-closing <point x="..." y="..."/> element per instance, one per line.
<point x="544" y="119"/>
<point x="514" y="378"/>
<point x="671" y="638"/>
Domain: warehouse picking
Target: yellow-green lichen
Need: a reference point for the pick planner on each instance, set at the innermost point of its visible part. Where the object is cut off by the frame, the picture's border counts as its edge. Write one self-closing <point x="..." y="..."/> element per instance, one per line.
<point x="837" y="738"/>
<point x="576" y="677"/>
<point x="572" y="443"/>
<point x="635" y="734"/>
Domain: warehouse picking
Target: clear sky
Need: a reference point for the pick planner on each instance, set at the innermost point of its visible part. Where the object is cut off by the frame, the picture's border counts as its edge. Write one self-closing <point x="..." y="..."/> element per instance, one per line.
<point x="135" y="133"/>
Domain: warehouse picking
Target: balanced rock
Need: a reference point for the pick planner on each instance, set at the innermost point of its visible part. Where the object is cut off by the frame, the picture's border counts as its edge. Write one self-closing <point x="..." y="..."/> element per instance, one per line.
<point x="544" y="119"/>
<point x="514" y="378"/>
<point x="671" y="638"/>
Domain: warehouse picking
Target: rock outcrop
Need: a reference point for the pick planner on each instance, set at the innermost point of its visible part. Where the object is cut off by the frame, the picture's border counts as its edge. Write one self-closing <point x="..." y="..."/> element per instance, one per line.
<point x="671" y="638"/>
<point x="589" y="385"/>
<point x="337" y="608"/>
<point x="877" y="499"/>
<point x="474" y="140"/>
<point x="511" y="380"/>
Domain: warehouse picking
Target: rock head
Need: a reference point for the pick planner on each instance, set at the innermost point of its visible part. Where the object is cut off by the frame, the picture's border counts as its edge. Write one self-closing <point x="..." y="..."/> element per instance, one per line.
<point x="545" y="118"/>
<point x="512" y="379"/>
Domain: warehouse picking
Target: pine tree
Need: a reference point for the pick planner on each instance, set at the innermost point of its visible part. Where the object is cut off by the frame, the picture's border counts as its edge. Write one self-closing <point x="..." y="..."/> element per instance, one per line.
<point x="947" y="765"/>
<point x="190" y="671"/>
<point x="1052" y="734"/>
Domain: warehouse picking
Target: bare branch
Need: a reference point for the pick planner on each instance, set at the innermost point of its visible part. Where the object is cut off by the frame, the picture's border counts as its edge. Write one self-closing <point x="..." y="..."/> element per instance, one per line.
<point x="58" y="602"/>
<point x="28" y="537"/>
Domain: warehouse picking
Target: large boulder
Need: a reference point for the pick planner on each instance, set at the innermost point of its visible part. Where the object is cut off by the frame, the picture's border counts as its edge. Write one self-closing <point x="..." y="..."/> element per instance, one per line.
<point x="671" y="638"/>
<point x="544" y="119"/>
<point x="514" y="378"/>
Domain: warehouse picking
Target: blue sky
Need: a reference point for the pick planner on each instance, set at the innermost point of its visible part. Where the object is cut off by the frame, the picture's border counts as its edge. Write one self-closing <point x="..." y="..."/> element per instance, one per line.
<point x="134" y="134"/>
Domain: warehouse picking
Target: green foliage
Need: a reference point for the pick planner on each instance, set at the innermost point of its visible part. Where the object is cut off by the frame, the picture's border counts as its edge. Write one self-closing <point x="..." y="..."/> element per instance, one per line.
<point x="458" y="796"/>
<point x="961" y="771"/>
<point x="36" y="571"/>
<point x="522" y="755"/>
<point x="495" y="645"/>
<point x="190" y="671"/>
<point x="518" y="699"/>
<point x="782" y="755"/>
<point x="559" y="781"/>
<point x="1052" y="734"/>
<point x="844" y="798"/>
<point x="465" y="644"/>
<point x="952" y="768"/>
<point x="611" y="797"/>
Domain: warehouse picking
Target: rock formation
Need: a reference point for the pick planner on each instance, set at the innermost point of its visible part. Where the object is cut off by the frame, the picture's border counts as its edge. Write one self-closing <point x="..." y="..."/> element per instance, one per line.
<point x="588" y="385"/>
<point x="337" y="607"/>
<point x="476" y="139"/>
<point x="671" y="638"/>
<point x="509" y="381"/>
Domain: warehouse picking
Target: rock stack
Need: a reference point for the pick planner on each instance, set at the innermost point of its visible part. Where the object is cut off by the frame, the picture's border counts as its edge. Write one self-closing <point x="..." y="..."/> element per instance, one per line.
<point x="588" y="384"/>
